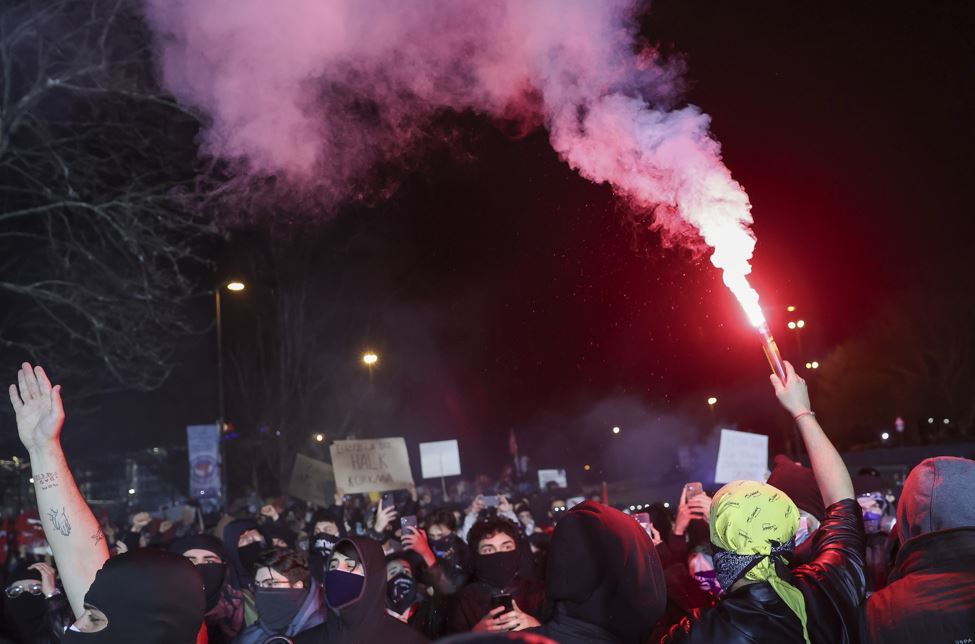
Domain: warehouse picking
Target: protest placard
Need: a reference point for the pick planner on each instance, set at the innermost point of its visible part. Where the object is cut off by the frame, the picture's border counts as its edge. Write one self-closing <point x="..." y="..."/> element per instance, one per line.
<point x="545" y="476"/>
<point x="313" y="481"/>
<point x="439" y="458"/>
<point x="373" y="465"/>
<point x="741" y="456"/>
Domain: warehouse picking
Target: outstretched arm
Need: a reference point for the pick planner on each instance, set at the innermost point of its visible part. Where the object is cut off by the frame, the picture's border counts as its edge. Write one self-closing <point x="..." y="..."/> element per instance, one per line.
<point x="831" y="474"/>
<point x="71" y="529"/>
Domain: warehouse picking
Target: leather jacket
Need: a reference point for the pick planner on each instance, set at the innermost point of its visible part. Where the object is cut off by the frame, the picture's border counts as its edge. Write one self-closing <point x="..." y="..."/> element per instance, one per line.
<point x="832" y="583"/>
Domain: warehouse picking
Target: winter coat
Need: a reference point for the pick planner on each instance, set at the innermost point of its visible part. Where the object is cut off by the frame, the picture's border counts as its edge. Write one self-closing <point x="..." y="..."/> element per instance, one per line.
<point x="930" y="596"/>
<point x="365" y="620"/>
<point x="833" y="586"/>
<point x="311" y="614"/>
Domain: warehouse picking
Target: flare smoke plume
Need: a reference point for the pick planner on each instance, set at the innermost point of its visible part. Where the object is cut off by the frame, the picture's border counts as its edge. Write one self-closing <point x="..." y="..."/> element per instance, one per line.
<point x="318" y="93"/>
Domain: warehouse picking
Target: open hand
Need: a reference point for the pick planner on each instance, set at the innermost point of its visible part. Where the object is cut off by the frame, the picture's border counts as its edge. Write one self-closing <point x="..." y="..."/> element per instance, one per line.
<point x="40" y="413"/>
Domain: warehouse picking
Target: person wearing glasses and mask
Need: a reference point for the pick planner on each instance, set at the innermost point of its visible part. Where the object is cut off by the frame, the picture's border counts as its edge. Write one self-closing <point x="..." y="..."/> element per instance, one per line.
<point x="287" y="603"/>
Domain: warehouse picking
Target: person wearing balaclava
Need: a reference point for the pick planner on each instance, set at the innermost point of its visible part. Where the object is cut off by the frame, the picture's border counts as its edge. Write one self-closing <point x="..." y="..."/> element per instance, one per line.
<point x="355" y="596"/>
<point x="245" y="542"/>
<point x="930" y="596"/>
<point x="25" y="606"/>
<point x="287" y="603"/>
<point x="224" y="601"/>
<point x="753" y="529"/>
<point x="407" y="599"/>
<point x="604" y="578"/>
<point x="147" y="596"/>
<point x="502" y="565"/>
<point x="324" y="530"/>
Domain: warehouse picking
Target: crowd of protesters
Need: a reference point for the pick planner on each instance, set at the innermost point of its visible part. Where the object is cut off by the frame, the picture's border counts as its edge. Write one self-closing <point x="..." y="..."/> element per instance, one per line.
<point x="811" y="555"/>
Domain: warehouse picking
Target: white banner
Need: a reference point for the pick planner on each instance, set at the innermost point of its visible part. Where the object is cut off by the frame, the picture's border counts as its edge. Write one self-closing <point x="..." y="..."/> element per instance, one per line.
<point x="547" y="476"/>
<point x="203" y="446"/>
<point x="741" y="456"/>
<point x="371" y="465"/>
<point x="439" y="458"/>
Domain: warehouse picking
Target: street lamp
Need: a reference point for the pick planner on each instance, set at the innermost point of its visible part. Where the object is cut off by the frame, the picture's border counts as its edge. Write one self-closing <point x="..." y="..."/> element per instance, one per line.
<point x="616" y="430"/>
<point x="885" y="436"/>
<point x="712" y="401"/>
<point x="234" y="286"/>
<point x="369" y="358"/>
<point x="319" y="438"/>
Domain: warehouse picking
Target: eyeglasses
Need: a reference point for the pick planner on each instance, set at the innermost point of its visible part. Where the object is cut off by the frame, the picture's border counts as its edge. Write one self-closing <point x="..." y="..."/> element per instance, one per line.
<point x="272" y="583"/>
<point x="16" y="591"/>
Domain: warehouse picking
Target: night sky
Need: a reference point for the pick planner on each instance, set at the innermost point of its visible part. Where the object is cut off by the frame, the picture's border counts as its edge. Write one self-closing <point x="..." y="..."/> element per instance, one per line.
<point x="505" y="291"/>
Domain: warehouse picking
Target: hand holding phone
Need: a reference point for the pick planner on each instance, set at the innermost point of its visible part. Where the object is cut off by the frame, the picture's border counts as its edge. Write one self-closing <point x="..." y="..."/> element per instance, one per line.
<point x="407" y="522"/>
<point x="693" y="489"/>
<point x="504" y="599"/>
<point x="491" y="501"/>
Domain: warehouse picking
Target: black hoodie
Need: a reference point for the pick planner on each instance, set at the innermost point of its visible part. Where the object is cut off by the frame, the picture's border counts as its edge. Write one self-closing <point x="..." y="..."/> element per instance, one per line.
<point x="364" y="620"/>
<point x="241" y="576"/>
<point x="604" y="577"/>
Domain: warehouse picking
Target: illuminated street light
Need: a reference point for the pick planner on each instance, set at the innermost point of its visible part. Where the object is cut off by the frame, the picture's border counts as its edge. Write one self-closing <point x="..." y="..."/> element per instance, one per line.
<point x="800" y="324"/>
<point x="131" y="490"/>
<point x="666" y="504"/>
<point x="790" y="309"/>
<point x="885" y="436"/>
<point x="319" y="438"/>
<point x="930" y="421"/>
<point x="808" y="365"/>
<point x="712" y="401"/>
<point x="792" y="324"/>
<point x="369" y="359"/>
<point x="947" y="421"/>
<point x="235" y="286"/>
<point x="616" y="430"/>
<point x="815" y="365"/>
<point x="586" y="467"/>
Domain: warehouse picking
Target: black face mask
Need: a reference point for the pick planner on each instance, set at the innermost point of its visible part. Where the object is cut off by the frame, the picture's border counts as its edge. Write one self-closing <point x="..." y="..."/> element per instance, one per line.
<point x="24" y="615"/>
<point x="249" y="555"/>
<point x="444" y="546"/>
<point x="322" y="544"/>
<point x="278" y="606"/>
<point x="401" y="593"/>
<point x="213" y="575"/>
<point x="499" y="570"/>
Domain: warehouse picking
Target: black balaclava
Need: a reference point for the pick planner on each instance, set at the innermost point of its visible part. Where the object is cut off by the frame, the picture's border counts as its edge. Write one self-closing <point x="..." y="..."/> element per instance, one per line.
<point x="278" y="606"/>
<point x="241" y="560"/>
<point x="401" y="592"/>
<point x="499" y="569"/>
<point x="148" y="596"/>
<point x="215" y="576"/>
<point x="604" y="569"/>
<point x="24" y="615"/>
<point x="320" y="548"/>
<point x="250" y="554"/>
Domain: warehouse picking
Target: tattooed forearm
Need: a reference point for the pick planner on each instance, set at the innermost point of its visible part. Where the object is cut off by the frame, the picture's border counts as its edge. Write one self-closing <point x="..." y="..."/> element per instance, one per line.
<point x="46" y="480"/>
<point x="59" y="519"/>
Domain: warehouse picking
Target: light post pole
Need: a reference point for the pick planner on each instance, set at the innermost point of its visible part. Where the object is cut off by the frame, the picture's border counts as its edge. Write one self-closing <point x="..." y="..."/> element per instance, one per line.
<point x="234" y="286"/>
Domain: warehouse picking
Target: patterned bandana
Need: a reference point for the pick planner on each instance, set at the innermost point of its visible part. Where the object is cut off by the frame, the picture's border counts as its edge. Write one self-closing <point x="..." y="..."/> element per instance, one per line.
<point x="754" y="526"/>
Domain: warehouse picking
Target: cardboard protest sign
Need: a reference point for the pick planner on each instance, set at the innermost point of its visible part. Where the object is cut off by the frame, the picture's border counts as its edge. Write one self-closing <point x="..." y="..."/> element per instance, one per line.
<point x="313" y="481"/>
<point x="439" y="458"/>
<point x="741" y="456"/>
<point x="544" y="476"/>
<point x="371" y="465"/>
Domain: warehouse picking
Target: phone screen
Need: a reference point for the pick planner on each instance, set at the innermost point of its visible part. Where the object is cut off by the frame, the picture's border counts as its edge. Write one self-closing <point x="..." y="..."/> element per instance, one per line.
<point x="693" y="489"/>
<point x="491" y="501"/>
<point x="407" y="522"/>
<point x="643" y="519"/>
<point x="503" y="599"/>
<point x="388" y="500"/>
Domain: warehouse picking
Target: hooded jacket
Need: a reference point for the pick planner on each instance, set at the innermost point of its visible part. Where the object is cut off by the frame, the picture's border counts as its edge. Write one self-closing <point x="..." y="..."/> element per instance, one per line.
<point x="148" y="596"/>
<point x="832" y="584"/>
<point x="604" y="577"/>
<point x="225" y="620"/>
<point x="364" y="620"/>
<point x="931" y="594"/>
<point x="231" y="535"/>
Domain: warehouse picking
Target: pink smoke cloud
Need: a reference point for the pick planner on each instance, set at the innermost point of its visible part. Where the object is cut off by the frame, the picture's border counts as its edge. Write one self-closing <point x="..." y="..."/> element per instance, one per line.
<point x="318" y="93"/>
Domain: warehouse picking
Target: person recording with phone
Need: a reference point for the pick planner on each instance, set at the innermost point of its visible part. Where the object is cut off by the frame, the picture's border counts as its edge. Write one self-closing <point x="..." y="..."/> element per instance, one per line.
<point x="499" y="569"/>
